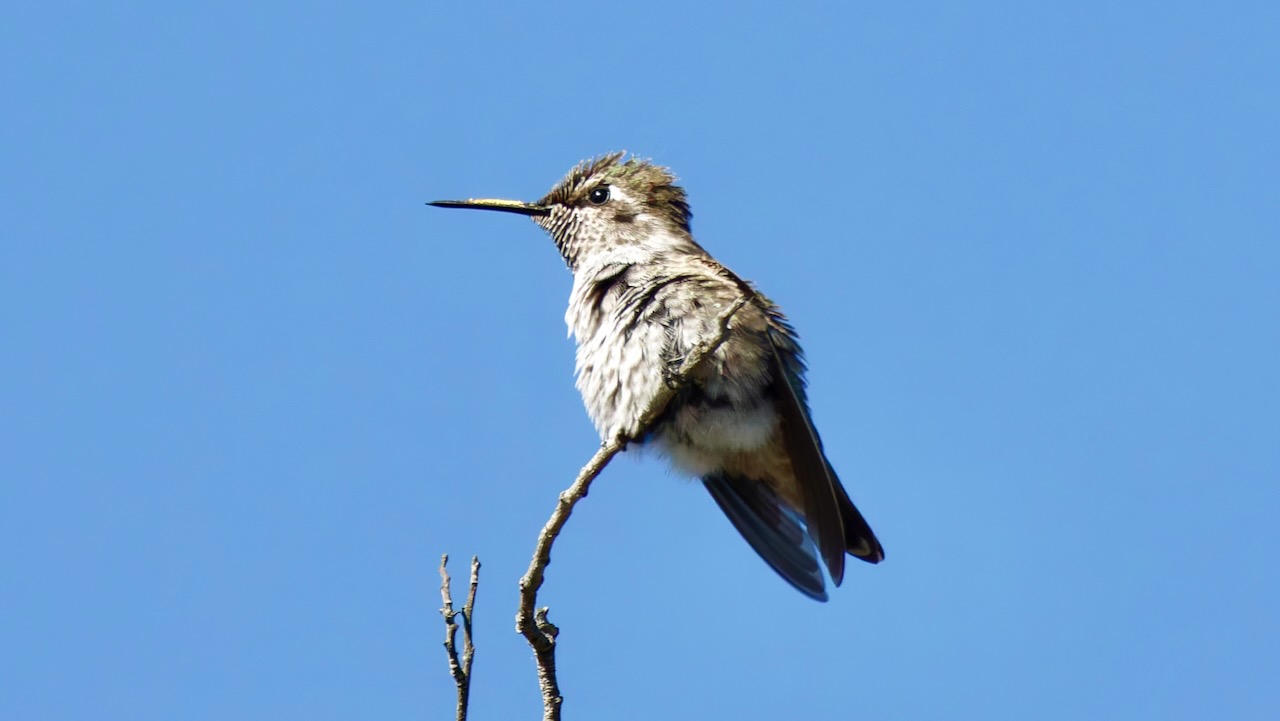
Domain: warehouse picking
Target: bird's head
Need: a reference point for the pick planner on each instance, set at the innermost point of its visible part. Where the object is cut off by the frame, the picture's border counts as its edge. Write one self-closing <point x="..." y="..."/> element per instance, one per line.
<point x="605" y="208"/>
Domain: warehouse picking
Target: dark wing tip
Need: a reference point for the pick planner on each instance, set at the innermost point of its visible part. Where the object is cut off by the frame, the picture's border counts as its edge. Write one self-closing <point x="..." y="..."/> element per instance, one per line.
<point x="818" y="485"/>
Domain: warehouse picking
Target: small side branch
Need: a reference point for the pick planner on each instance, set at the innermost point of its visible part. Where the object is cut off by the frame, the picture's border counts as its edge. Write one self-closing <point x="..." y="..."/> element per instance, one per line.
<point x="459" y="669"/>
<point x="533" y="624"/>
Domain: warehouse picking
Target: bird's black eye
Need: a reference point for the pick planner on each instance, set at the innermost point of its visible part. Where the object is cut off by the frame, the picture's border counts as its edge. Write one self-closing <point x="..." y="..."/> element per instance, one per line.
<point x="599" y="195"/>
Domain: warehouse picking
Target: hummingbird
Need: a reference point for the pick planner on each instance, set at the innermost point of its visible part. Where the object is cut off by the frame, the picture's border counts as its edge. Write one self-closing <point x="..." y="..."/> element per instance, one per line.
<point x="644" y="295"/>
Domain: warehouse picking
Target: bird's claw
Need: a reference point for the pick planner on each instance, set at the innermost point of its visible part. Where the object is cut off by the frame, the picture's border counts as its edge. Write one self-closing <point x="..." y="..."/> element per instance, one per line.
<point x="671" y="377"/>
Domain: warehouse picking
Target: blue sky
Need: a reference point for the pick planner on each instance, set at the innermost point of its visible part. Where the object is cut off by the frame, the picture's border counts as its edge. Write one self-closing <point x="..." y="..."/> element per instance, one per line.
<point x="252" y="387"/>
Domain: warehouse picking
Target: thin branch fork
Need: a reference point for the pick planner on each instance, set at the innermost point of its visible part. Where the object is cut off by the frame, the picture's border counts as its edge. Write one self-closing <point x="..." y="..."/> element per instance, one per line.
<point x="459" y="669"/>
<point x="533" y="624"/>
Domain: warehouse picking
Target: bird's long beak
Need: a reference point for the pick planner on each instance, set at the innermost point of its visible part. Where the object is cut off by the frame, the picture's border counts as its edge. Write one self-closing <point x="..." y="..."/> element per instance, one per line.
<point x="505" y="206"/>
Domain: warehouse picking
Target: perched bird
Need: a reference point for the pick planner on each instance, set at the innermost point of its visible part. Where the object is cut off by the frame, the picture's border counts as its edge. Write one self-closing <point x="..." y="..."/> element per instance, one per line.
<point x="645" y="294"/>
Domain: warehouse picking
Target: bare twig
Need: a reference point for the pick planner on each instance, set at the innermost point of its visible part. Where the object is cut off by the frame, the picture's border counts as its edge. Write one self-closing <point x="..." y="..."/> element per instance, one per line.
<point x="469" y="648"/>
<point x="460" y="670"/>
<point x="538" y="631"/>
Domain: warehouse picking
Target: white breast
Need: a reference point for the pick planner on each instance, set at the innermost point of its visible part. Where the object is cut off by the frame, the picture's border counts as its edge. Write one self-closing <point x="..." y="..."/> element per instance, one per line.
<point x="617" y="373"/>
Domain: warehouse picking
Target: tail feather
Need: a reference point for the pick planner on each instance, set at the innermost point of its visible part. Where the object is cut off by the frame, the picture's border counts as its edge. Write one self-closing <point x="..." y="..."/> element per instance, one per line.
<point x="775" y="531"/>
<point x="859" y="539"/>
